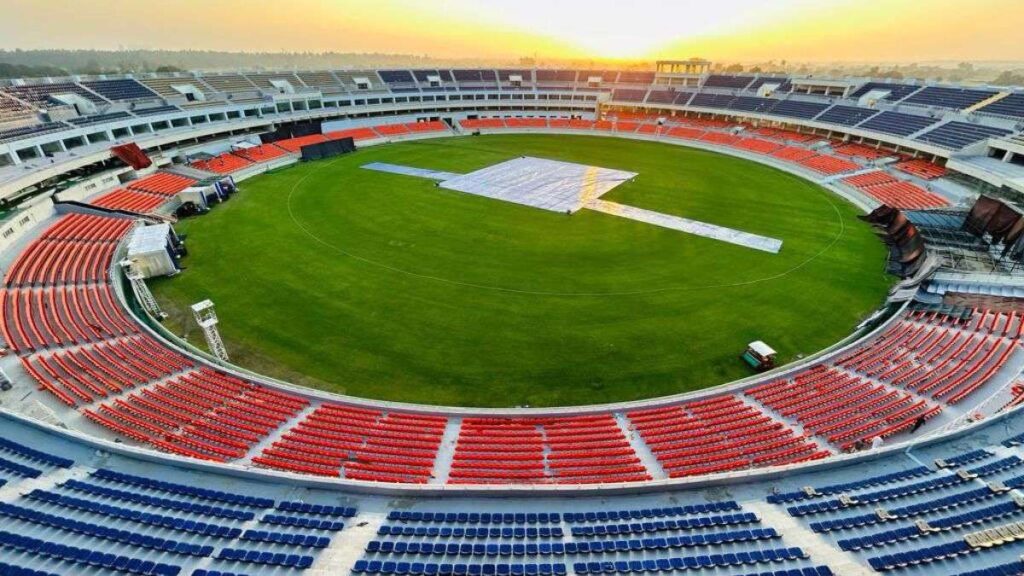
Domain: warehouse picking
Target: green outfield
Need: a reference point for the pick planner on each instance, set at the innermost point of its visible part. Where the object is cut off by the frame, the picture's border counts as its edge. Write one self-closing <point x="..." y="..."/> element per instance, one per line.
<point x="386" y="286"/>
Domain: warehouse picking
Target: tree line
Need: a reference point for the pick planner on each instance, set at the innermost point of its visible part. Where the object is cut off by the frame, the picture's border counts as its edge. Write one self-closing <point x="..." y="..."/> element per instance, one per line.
<point x="41" y="63"/>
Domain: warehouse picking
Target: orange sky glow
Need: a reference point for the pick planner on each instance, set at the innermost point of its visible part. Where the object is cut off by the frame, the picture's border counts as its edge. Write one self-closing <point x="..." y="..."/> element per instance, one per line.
<point x="721" y="30"/>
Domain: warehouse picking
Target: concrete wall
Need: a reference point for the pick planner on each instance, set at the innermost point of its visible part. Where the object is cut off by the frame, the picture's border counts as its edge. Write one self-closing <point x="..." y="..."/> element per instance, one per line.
<point x="21" y="222"/>
<point x="97" y="184"/>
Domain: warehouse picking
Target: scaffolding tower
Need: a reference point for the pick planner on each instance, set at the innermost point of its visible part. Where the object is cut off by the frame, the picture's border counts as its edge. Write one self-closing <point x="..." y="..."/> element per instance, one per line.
<point x="206" y="317"/>
<point x="142" y="293"/>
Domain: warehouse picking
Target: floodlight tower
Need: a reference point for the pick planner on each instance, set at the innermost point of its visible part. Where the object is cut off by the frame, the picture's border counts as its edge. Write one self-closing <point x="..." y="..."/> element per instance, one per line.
<point x="142" y="292"/>
<point x="206" y="317"/>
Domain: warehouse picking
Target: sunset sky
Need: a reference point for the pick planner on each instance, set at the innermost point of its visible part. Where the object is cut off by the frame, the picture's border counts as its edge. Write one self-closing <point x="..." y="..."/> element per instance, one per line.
<point x="721" y="30"/>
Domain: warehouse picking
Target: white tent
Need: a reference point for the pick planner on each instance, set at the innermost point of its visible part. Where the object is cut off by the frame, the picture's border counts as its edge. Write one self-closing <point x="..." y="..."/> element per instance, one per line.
<point x="149" y="253"/>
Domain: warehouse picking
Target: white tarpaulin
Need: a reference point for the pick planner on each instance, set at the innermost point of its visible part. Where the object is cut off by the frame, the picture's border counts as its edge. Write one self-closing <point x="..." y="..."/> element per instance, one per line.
<point x="547" y="184"/>
<point x="704" y="229"/>
<point x="410" y="171"/>
<point x="567" y="187"/>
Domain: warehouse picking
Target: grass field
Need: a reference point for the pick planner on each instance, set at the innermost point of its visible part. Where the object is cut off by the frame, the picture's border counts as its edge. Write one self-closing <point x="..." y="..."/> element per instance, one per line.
<point x="385" y="286"/>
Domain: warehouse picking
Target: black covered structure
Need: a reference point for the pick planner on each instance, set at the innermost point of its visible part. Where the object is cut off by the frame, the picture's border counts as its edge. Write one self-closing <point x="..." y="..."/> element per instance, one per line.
<point x="275" y="136"/>
<point x="292" y="131"/>
<point x="987" y="238"/>
<point x="328" y="149"/>
<point x="906" y="244"/>
<point x="1000" y="223"/>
